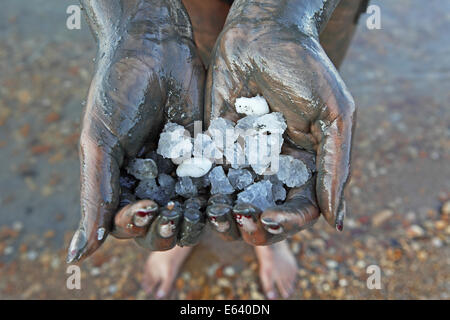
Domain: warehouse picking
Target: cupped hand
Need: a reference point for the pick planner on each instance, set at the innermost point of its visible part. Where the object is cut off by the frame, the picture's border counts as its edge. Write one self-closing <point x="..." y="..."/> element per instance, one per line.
<point x="288" y="66"/>
<point x="147" y="72"/>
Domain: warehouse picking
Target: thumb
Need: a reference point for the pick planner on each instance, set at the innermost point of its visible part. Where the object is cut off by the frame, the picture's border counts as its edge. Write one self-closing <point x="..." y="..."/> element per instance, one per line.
<point x="100" y="191"/>
<point x="335" y="131"/>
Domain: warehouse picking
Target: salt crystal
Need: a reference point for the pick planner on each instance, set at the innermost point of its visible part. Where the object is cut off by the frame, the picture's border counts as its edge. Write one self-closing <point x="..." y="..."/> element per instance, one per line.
<point x="278" y="190"/>
<point x="194" y="167"/>
<point x="148" y="189"/>
<point x="273" y="122"/>
<point x="292" y="172"/>
<point x="258" y="194"/>
<point x="142" y="169"/>
<point x="185" y="187"/>
<point x="219" y="181"/>
<point x="167" y="183"/>
<point x="234" y="155"/>
<point x="252" y="106"/>
<point x="164" y="165"/>
<point x="222" y="132"/>
<point x="205" y="147"/>
<point x="202" y="182"/>
<point x="174" y="142"/>
<point x="240" y="178"/>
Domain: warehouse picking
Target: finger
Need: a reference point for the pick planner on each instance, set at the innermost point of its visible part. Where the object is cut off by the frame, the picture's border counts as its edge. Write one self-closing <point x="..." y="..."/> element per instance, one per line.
<point x="297" y="213"/>
<point x="220" y="199"/>
<point x="220" y="217"/>
<point x="198" y="203"/>
<point x="134" y="219"/>
<point x="99" y="197"/>
<point x="335" y="132"/>
<point x="163" y="232"/>
<point x="193" y="222"/>
<point x="248" y="221"/>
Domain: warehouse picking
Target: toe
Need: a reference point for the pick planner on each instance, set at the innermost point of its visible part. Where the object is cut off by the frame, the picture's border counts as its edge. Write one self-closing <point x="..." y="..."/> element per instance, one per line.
<point x="164" y="287"/>
<point x="149" y="282"/>
<point x="267" y="284"/>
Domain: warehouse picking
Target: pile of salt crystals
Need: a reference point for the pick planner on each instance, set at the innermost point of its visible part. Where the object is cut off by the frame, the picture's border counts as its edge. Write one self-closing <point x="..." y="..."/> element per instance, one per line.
<point x="253" y="168"/>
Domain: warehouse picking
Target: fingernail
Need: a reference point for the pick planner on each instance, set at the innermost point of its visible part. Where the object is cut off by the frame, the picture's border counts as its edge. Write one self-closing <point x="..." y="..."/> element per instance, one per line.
<point x="76" y="246"/>
<point x="271" y="295"/>
<point x="271" y="226"/>
<point x="340" y="226"/>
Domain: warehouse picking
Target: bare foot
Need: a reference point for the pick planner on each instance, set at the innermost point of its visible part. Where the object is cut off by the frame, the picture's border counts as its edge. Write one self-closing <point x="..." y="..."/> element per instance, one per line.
<point x="161" y="270"/>
<point x="277" y="266"/>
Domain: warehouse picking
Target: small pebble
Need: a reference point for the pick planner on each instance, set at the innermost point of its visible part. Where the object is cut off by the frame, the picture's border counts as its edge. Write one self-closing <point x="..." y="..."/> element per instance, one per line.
<point x="343" y="282"/>
<point x="415" y="231"/>
<point x="436" y="242"/>
<point x="8" y="250"/>
<point x="229" y="271"/>
<point x="331" y="264"/>
<point x="32" y="255"/>
<point x="446" y="208"/>
<point x="112" y="289"/>
<point x="95" y="272"/>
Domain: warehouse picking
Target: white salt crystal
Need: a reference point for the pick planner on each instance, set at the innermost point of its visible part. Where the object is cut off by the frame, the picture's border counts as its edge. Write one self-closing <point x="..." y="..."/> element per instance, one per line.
<point x="174" y="142"/>
<point x="252" y="106"/>
<point x="194" y="167"/>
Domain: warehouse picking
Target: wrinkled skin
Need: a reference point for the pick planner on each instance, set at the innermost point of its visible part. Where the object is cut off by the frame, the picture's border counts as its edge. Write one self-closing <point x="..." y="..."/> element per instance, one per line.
<point x="258" y="51"/>
<point x="148" y="72"/>
<point x="262" y="51"/>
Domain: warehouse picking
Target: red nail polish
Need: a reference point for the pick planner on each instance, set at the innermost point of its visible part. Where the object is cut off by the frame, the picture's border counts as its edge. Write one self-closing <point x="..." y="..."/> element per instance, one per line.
<point x="142" y="214"/>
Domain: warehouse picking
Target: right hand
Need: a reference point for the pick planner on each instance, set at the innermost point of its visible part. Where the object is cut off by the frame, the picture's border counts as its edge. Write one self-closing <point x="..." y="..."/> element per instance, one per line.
<point x="148" y="73"/>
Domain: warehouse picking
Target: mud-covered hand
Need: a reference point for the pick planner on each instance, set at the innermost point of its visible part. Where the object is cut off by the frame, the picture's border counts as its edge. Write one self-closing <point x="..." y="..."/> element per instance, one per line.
<point x="147" y="73"/>
<point x="271" y="47"/>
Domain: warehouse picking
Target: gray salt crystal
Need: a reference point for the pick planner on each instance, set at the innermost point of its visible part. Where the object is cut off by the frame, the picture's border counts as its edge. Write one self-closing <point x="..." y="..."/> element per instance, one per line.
<point x="149" y="189"/>
<point x="259" y="194"/>
<point x="240" y="178"/>
<point x="146" y="188"/>
<point x="164" y="165"/>
<point x="220" y="182"/>
<point x="167" y="183"/>
<point x="142" y="169"/>
<point x="292" y="172"/>
<point x="278" y="190"/>
<point x="246" y="123"/>
<point x="202" y="182"/>
<point x="186" y="188"/>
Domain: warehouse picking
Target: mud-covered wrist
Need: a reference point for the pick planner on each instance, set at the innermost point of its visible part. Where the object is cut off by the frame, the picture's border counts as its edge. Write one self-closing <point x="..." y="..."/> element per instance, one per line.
<point x="307" y="16"/>
<point x="156" y="19"/>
